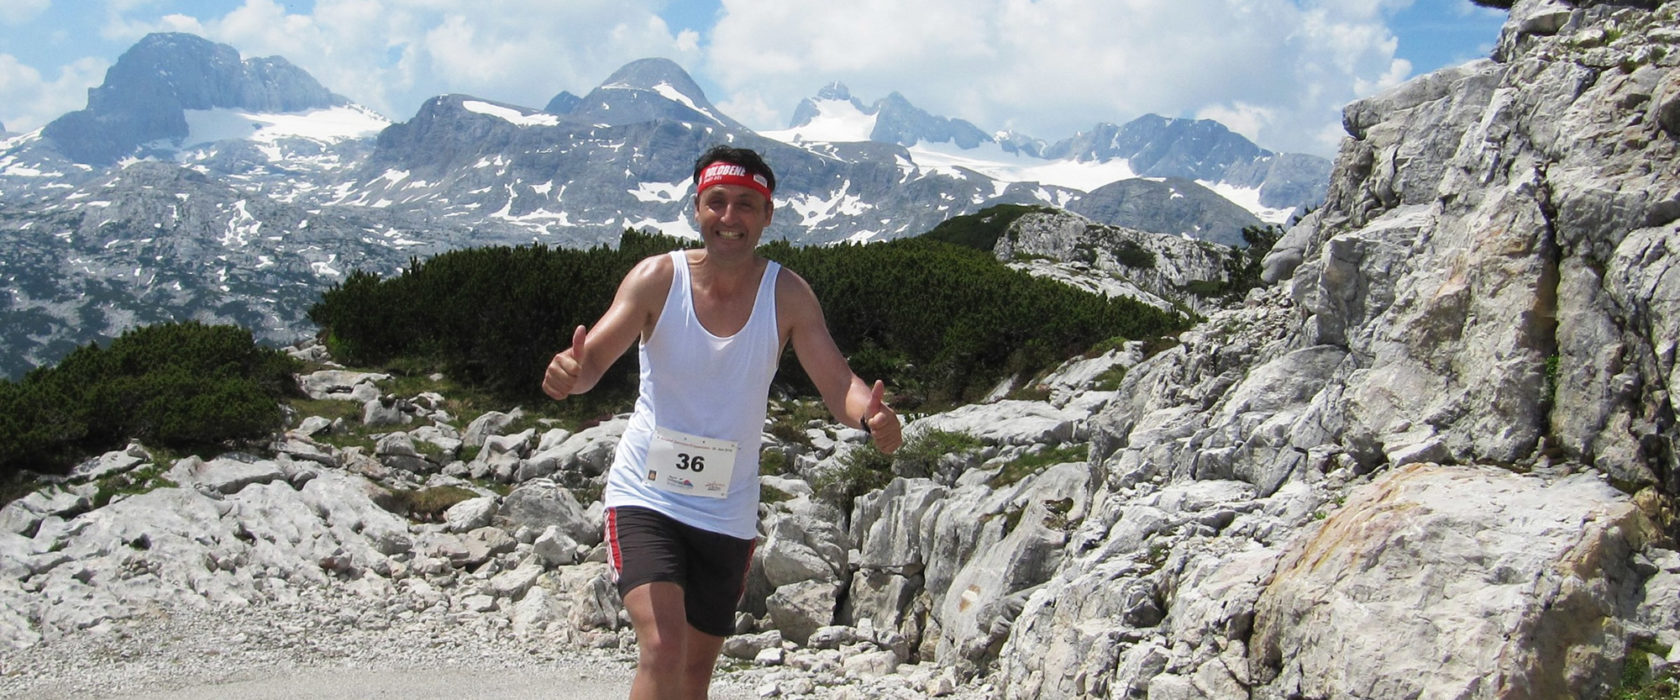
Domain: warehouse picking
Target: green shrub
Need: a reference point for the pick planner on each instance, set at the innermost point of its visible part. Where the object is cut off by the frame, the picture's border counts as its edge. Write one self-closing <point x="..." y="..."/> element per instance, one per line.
<point x="941" y="323"/>
<point x="180" y="386"/>
<point x="1131" y="254"/>
<point x="1242" y="265"/>
<point x="982" y="229"/>
<point x="919" y="457"/>
<point x="1638" y="682"/>
<point x="486" y="317"/>
<point x="861" y="471"/>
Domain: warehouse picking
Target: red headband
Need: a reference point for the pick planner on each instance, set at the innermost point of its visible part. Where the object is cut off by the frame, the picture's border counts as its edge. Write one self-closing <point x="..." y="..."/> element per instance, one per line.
<point x="726" y="173"/>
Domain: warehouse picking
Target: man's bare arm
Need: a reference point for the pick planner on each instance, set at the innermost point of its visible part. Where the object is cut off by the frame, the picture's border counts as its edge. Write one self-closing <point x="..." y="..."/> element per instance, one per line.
<point x="847" y="396"/>
<point x="633" y="310"/>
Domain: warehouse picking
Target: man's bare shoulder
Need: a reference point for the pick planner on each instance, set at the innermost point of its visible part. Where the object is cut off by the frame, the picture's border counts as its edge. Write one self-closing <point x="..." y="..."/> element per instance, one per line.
<point x="795" y="300"/>
<point x="652" y="274"/>
<point x="789" y="283"/>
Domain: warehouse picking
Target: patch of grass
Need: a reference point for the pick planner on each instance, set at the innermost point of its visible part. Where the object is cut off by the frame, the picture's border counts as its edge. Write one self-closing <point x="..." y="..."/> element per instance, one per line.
<point x="1110" y="379"/>
<point x="1033" y="462"/>
<point x="1638" y="683"/>
<point x="1033" y="391"/>
<point x="426" y="504"/>
<point x="1057" y="518"/>
<point x="1551" y="379"/>
<point x="1156" y="557"/>
<point x="774" y="462"/>
<point x="790" y="419"/>
<point x="919" y="457"/>
<point x="771" y="494"/>
<point x="862" y="470"/>
<point x="132" y="483"/>
<point x="330" y="409"/>
<point x="585" y="493"/>
<point x="1104" y="346"/>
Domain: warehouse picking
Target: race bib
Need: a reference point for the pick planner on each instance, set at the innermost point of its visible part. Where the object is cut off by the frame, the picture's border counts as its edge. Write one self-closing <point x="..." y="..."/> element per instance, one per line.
<point x="689" y="464"/>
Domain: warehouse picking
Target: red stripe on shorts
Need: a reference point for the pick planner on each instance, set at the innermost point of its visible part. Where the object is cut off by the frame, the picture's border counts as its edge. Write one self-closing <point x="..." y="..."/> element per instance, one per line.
<point x="751" y="547"/>
<point x="615" y="558"/>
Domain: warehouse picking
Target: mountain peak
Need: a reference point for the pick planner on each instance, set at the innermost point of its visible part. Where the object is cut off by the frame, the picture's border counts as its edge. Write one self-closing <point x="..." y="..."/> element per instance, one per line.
<point x="834" y="91"/>
<point x="649" y="89"/>
<point x="650" y="73"/>
<point x="145" y="94"/>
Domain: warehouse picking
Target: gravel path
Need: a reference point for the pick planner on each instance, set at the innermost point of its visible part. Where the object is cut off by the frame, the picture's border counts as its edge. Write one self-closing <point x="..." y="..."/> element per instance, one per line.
<point x="268" y="653"/>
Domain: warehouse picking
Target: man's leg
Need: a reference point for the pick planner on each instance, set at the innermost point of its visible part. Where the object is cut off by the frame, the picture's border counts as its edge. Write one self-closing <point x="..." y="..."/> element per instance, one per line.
<point x="661" y="624"/>
<point x="699" y="658"/>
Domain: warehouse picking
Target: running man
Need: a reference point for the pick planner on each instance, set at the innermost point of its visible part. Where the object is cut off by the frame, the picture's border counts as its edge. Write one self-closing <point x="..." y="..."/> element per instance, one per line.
<point x="682" y="494"/>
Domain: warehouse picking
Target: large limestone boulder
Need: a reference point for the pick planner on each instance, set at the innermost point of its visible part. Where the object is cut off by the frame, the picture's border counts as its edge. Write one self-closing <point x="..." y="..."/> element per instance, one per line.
<point x="1500" y="585"/>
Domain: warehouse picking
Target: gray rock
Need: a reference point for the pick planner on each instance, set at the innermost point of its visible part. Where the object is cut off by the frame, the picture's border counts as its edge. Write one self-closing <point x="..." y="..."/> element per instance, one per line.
<point x="798" y="548"/>
<point x="491" y="423"/>
<point x="555" y="548"/>
<point x="115" y="462"/>
<point x="224" y="474"/>
<point x="342" y="384"/>
<point x="542" y="503"/>
<point x="1490" y="586"/>
<point x="385" y="411"/>
<point x="514" y="583"/>
<point x="748" y="647"/>
<point x="1005" y="423"/>
<point x="798" y="610"/>
<point x="470" y="514"/>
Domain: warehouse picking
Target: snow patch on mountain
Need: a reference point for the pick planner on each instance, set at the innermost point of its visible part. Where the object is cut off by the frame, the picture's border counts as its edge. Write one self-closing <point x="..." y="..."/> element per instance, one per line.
<point x="510" y="115"/>
<point x="837" y="121"/>
<point x="663" y="192"/>
<point x="815" y="210"/>
<point x="670" y="92"/>
<point x="682" y="227"/>
<point x="1249" y="198"/>
<point x="1007" y="168"/>
<point x="241" y="227"/>
<point x="328" y="125"/>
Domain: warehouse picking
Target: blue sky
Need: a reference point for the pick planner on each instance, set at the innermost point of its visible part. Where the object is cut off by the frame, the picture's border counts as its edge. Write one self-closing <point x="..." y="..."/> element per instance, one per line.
<point x="1277" y="71"/>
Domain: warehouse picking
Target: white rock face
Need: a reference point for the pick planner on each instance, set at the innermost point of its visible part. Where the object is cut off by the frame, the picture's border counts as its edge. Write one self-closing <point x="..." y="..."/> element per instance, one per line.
<point x="1500" y="584"/>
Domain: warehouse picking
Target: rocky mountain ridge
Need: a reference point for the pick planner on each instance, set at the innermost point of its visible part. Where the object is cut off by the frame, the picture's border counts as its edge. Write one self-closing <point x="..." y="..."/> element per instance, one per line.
<point x="334" y="188"/>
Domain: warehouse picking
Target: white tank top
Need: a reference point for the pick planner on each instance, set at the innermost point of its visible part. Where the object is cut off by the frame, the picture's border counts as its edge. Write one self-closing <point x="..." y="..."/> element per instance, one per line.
<point x="703" y="385"/>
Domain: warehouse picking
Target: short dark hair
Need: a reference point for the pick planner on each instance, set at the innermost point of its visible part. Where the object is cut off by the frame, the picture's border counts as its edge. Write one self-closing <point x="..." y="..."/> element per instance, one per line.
<point x="744" y="157"/>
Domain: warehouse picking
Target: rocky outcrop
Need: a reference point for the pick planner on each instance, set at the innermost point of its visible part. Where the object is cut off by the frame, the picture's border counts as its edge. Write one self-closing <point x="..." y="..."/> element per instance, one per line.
<point x="1113" y="261"/>
<point x="1494" y="251"/>
<point x="1467" y="329"/>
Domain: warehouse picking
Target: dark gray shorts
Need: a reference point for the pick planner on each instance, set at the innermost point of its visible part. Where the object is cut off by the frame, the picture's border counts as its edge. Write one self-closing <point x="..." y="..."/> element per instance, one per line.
<point x="644" y="546"/>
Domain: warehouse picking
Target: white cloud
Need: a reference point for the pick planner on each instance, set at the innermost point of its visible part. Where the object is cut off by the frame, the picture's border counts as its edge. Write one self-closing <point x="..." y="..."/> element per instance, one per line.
<point x="30" y="101"/>
<point x="392" y="55"/>
<point x="1245" y="119"/>
<point x="21" y="11"/>
<point x="1277" y="71"/>
<point x="1053" y="67"/>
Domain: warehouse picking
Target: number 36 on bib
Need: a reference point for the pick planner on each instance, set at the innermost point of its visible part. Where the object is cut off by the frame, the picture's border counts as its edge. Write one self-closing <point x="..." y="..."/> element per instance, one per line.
<point x="690" y="464"/>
